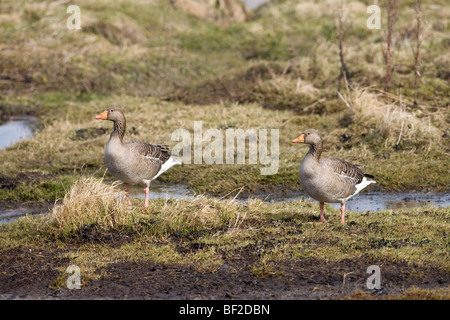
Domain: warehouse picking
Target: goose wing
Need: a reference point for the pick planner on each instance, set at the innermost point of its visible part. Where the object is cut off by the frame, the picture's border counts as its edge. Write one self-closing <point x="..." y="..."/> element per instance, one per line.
<point x="344" y="169"/>
<point x="157" y="153"/>
<point x="148" y="158"/>
<point x="349" y="179"/>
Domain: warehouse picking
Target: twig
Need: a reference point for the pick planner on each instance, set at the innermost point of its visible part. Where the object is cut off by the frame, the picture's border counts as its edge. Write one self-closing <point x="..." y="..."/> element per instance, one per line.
<point x="342" y="29"/>
<point x="231" y="200"/>
<point x="343" y="99"/>
<point x="416" y="50"/>
<point x="343" y="281"/>
<point x="403" y="121"/>
<point x="392" y="14"/>
<point x="239" y="220"/>
<point x="314" y="103"/>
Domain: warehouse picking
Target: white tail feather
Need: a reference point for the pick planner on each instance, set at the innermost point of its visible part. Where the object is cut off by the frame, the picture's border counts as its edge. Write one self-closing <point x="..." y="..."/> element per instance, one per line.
<point x="166" y="166"/>
<point x="364" y="183"/>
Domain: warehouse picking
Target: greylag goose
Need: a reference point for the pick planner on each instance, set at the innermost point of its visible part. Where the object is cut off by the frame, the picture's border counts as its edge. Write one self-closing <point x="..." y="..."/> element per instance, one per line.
<point x="329" y="180"/>
<point x="133" y="162"/>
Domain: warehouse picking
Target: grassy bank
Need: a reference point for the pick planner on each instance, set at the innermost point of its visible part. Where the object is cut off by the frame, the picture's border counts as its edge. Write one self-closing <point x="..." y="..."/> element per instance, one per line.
<point x="71" y="141"/>
<point x="269" y="72"/>
<point x="278" y="70"/>
<point x="93" y="229"/>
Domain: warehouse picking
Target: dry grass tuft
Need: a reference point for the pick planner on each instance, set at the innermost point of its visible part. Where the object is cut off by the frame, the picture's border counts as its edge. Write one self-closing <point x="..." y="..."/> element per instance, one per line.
<point x="285" y="92"/>
<point x="393" y="122"/>
<point x="89" y="201"/>
<point x="184" y="216"/>
<point x="120" y="32"/>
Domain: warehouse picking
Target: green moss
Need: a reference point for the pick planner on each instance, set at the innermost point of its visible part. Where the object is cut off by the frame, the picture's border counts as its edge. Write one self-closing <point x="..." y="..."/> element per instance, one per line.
<point x="35" y="191"/>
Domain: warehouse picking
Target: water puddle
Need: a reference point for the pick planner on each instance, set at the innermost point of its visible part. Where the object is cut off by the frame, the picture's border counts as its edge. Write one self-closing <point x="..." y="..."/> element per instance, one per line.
<point x="176" y="191"/>
<point x="11" y="214"/>
<point x="371" y="201"/>
<point x="382" y="200"/>
<point x="15" y="130"/>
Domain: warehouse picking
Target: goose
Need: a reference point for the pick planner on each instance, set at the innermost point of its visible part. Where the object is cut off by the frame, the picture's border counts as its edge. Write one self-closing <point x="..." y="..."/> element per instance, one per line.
<point x="329" y="180"/>
<point x="133" y="162"/>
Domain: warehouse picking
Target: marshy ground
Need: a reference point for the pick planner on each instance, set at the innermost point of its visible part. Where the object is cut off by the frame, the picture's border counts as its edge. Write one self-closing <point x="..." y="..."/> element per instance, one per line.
<point x="167" y="69"/>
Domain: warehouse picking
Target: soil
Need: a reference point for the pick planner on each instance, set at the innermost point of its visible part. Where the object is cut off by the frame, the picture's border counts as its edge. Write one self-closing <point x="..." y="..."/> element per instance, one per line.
<point x="238" y="88"/>
<point x="29" y="177"/>
<point x="28" y="273"/>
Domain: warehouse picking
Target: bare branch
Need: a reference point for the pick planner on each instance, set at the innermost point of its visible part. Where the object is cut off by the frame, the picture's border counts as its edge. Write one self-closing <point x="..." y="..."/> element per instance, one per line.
<point x="392" y="15"/>
<point x="342" y="27"/>
<point x="417" y="33"/>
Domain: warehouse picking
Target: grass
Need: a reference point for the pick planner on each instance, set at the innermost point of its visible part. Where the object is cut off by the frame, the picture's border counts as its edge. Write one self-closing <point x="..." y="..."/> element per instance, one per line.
<point x="410" y="294"/>
<point x="59" y="149"/>
<point x="93" y="225"/>
<point x="243" y="75"/>
<point x="166" y="69"/>
<point x="38" y="190"/>
<point x="90" y="202"/>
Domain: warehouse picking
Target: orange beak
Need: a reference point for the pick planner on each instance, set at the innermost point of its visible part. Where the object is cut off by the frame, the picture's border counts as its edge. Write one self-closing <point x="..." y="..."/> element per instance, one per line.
<point x="103" y="115"/>
<point x="300" y="139"/>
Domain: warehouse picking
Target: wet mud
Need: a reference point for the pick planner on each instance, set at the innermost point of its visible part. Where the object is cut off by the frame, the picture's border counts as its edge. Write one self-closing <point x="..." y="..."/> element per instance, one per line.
<point x="33" y="274"/>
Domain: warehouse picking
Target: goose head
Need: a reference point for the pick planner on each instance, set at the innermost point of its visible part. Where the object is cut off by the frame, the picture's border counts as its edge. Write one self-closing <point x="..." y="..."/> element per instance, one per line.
<point x="113" y="114"/>
<point x="309" y="136"/>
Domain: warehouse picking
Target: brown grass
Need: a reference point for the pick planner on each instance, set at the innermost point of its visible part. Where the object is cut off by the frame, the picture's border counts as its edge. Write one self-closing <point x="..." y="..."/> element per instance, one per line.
<point x="393" y="122"/>
<point x="92" y="202"/>
<point x="89" y="201"/>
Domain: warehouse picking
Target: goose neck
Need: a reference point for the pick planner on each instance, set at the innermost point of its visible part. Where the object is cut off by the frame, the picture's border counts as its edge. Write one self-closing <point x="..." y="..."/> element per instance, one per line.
<point x="315" y="150"/>
<point x="119" y="129"/>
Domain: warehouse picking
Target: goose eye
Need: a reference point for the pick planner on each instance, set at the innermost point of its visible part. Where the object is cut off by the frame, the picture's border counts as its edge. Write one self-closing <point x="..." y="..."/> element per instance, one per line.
<point x="308" y="134"/>
<point x="111" y="110"/>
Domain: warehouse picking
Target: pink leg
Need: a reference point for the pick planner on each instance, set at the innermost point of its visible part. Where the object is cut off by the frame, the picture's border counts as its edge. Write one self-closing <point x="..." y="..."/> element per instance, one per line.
<point x="127" y="189"/>
<point x="342" y="213"/>
<point x="146" y="197"/>
<point x="322" y="213"/>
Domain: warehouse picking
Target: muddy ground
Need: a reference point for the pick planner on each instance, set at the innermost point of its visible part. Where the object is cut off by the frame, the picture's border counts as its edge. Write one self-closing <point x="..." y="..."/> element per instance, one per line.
<point x="33" y="274"/>
<point x="28" y="273"/>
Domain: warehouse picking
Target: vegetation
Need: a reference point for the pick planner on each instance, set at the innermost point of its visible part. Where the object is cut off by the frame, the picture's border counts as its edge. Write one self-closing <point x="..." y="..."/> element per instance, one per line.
<point x="279" y="70"/>
<point x="92" y="227"/>
<point x="241" y="75"/>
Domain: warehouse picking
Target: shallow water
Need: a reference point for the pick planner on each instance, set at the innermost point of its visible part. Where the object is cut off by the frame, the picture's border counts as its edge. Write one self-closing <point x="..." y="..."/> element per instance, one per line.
<point x="373" y="201"/>
<point x="370" y="201"/>
<point x="15" y="130"/>
<point x="382" y="200"/>
<point x="11" y="214"/>
<point x="176" y="191"/>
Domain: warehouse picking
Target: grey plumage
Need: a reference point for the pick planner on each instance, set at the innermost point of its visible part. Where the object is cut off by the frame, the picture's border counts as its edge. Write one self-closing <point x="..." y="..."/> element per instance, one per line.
<point x="157" y="151"/>
<point x="329" y="180"/>
<point x="344" y="168"/>
<point x="149" y="158"/>
<point x="133" y="162"/>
